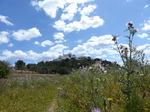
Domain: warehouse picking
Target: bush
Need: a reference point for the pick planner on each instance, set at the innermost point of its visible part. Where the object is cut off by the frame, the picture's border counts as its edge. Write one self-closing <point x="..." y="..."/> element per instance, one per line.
<point x="63" y="71"/>
<point x="4" y="70"/>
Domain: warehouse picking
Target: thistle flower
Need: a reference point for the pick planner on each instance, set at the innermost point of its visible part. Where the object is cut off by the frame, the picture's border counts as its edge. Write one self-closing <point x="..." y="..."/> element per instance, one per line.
<point x="59" y="88"/>
<point x="114" y="38"/>
<point x="129" y="24"/>
<point x="135" y="30"/>
<point x="96" y="110"/>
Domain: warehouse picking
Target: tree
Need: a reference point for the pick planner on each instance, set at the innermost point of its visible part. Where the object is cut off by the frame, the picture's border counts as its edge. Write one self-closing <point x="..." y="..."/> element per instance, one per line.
<point x="4" y="69"/>
<point x="20" y="64"/>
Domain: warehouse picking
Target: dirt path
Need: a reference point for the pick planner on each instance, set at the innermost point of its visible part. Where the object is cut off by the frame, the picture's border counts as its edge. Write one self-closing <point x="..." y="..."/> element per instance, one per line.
<point x="53" y="104"/>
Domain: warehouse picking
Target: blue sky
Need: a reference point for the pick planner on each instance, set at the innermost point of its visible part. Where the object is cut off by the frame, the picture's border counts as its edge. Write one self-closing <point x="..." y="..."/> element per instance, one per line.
<point x="42" y="30"/>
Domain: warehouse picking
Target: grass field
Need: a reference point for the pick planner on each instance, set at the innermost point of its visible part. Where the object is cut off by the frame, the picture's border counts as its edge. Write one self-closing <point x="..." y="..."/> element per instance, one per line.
<point x="81" y="91"/>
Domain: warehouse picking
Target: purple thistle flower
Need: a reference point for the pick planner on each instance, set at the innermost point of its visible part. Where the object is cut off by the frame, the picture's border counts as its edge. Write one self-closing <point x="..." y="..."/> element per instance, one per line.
<point x="136" y="30"/>
<point x="96" y="110"/>
<point x="129" y="24"/>
<point x="59" y="88"/>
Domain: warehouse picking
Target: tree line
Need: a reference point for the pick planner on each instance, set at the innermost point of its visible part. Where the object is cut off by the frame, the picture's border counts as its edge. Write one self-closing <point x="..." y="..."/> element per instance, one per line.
<point x="64" y="66"/>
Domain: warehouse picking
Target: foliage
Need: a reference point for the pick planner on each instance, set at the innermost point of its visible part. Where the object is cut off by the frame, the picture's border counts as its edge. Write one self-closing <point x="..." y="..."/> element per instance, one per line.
<point x="20" y="64"/>
<point x="133" y="64"/>
<point x="4" y="70"/>
<point x="65" y="66"/>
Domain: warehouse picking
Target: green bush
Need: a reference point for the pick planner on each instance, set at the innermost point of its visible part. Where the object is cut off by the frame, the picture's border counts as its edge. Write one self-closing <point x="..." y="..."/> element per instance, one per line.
<point x="63" y="71"/>
<point x="4" y="70"/>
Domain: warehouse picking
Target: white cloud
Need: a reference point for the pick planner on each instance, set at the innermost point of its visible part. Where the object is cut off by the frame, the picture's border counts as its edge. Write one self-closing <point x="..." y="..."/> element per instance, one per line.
<point x="146" y="25"/>
<point x="85" y="23"/>
<point x="59" y="36"/>
<point x="4" y="37"/>
<point x="53" y="53"/>
<point x="88" y="10"/>
<point x="128" y="0"/>
<point x="146" y="6"/>
<point x="78" y="1"/>
<point x="49" y="6"/>
<point x="143" y="47"/>
<point x="95" y="46"/>
<point x="10" y="45"/>
<point x="143" y="35"/>
<point x="58" y="48"/>
<point x="46" y="43"/>
<point x="9" y="55"/>
<point x="69" y="12"/>
<point x="80" y="40"/>
<point x="36" y="43"/>
<point x="33" y="55"/>
<point x="21" y="34"/>
<point x="4" y="20"/>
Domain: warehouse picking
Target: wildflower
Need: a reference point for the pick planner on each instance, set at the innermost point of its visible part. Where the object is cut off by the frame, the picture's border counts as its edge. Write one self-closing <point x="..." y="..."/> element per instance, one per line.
<point x="90" y="68"/>
<point x="105" y="72"/>
<point x="114" y="38"/>
<point x="109" y="99"/>
<point x="59" y="88"/>
<point x="95" y="88"/>
<point x="135" y="30"/>
<point x="96" y="110"/>
<point x="141" y="74"/>
<point x="97" y="79"/>
<point x="129" y="24"/>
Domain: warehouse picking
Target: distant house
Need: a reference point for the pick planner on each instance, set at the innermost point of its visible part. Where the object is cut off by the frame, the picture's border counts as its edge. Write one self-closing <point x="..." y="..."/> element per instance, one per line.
<point x="70" y="56"/>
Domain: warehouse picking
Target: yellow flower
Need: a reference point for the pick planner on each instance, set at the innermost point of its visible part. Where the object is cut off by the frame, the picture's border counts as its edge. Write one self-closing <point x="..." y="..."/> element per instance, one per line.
<point x="95" y="88"/>
<point x="109" y="99"/>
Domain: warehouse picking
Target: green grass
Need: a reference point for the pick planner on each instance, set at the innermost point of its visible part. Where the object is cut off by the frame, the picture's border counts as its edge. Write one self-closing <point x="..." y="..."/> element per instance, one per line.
<point x="27" y="94"/>
<point x="93" y="89"/>
<point x="80" y="91"/>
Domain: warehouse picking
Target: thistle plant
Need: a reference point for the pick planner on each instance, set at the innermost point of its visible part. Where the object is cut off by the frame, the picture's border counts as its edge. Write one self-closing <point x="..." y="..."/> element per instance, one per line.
<point x="133" y="62"/>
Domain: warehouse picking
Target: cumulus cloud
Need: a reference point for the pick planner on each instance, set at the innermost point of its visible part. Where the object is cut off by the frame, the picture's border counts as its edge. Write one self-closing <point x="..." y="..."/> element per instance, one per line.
<point x="59" y="36"/>
<point x="36" y="43"/>
<point x="51" y="54"/>
<point x="69" y="12"/>
<point x="146" y="25"/>
<point x="10" y="45"/>
<point x="46" y="43"/>
<point x="69" y="9"/>
<point x="87" y="10"/>
<point x="4" y="20"/>
<point x="85" y="23"/>
<point x="49" y="6"/>
<point x="4" y="37"/>
<point x="143" y="35"/>
<point x="143" y="47"/>
<point x="9" y="55"/>
<point x="21" y="34"/>
<point x="146" y="6"/>
<point x="95" y="45"/>
<point x="58" y="48"/>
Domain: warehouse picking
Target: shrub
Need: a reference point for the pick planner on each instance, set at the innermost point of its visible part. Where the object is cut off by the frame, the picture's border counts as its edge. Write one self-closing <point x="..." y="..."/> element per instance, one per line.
<point x="4" y="70"/>
<point x="63" y="71"/>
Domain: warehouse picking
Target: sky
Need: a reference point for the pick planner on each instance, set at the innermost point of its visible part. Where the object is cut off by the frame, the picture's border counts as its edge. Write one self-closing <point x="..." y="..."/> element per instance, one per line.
<point x="42" y="30"/>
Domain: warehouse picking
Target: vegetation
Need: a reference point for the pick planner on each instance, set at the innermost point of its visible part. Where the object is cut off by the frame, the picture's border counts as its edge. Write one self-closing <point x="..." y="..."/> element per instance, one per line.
<point x="4" y="69"/>
<point x="62" y="67"/>
<point x="26" y="93"/>
<point x="91" y="86"/>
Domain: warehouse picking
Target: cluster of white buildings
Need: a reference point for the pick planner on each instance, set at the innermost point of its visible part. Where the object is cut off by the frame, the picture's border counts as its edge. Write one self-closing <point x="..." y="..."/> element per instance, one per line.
<point x="69" y="56"/>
